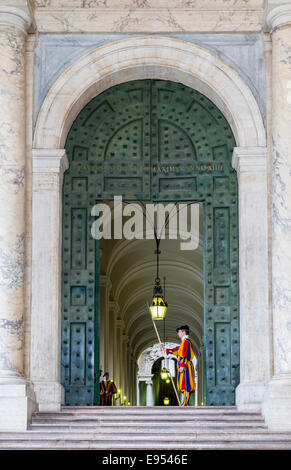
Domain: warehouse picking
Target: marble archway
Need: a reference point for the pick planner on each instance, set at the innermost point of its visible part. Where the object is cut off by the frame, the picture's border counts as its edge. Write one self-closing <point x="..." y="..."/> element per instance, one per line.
<point x="146" y="361"/>
<point x="130" y="59"/>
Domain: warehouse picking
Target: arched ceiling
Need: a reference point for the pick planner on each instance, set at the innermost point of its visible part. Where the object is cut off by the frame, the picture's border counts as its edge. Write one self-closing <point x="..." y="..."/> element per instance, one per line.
<point x="131" y="267"/>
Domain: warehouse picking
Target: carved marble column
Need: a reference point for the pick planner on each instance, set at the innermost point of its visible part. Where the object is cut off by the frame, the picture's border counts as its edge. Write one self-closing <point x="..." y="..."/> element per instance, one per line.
<point x="118" y="374"/>
<point x="132" y="378"/>
<point x="277" y="403"/>
<point x="16" y="395"/>
<point x="107" y="327"/>
<point x="102" y="324"/>
<point x="137" y="392"/>
<point x="251" y="166"/>
<point x="135" y="387"/>
<point x="149" y="383"/>
<point x="113" y="309"/>
<point x="45" y="357"/>
<point x="124" y="377"/>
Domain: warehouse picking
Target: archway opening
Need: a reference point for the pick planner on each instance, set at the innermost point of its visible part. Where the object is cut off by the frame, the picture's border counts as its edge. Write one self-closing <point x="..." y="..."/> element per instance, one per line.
<point x="150" y="140"/>
<point x="128" y="340"/>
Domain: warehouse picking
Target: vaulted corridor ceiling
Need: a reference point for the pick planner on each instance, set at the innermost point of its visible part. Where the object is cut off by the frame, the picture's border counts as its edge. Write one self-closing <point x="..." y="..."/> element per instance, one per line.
<point x="131" y="267"/>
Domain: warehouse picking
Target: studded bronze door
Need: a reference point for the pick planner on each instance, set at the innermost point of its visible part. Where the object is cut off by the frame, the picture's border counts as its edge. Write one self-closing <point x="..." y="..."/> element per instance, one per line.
<point x="161" y="141"/>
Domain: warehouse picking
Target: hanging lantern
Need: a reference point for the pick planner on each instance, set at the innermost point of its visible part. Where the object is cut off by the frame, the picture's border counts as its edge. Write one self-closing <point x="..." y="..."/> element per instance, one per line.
<point x="158" y="307"/>
<point x="164" y="374"/>
<point x="166" y="401"/>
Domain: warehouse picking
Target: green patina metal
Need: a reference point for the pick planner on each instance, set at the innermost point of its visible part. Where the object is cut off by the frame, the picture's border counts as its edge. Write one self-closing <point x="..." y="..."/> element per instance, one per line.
<point x="161" y="141"/>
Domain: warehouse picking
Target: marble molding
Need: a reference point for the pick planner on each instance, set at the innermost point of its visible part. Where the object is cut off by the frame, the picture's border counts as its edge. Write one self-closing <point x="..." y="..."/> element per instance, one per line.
<point x="17" y="401"/>
<point x="57" y="52"/>
<point x="277" y="14"/>
<point x="148" y="16"/>
<point x="148" y="57"/>
<point x="148" y="4"/>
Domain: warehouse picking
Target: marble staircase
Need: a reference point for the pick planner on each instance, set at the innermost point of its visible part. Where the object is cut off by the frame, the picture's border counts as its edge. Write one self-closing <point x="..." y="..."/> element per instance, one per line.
<point x="146" y="428"/>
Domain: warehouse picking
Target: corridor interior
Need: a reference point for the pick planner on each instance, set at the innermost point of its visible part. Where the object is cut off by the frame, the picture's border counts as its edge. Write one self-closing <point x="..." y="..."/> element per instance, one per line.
<point x="129" y="349"/>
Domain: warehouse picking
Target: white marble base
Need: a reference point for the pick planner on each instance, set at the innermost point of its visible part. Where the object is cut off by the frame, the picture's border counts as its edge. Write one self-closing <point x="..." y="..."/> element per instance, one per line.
<point x="50" y="395"/>
<point x="249" y="396"/>
<point x="17" y="404"/>
<point x="276" y="407"/>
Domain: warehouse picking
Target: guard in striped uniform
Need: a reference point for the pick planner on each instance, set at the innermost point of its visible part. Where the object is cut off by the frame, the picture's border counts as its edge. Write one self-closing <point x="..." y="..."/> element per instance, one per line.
<point x="107" y="389"/>
<point x="185" y="355"/>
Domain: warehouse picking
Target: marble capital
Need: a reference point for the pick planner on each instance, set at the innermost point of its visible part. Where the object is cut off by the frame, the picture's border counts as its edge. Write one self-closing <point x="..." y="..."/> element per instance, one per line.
<point x="17" y="14"/>
<point x="49" y="161"/>
<point x="145" y="378"/>
<point x="277" y="14"/>
<point x="48" y="167"/>
<point x="249" y="159"/>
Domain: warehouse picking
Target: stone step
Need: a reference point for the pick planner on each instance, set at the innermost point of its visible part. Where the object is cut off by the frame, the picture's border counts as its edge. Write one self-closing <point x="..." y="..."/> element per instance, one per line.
<point x="150" y="420"/>
<point x="219" y="444"/>
<point x="162" y="436"/>
<point x="144" y="427"/>
<point x="156" y="409"/>
<point x="104" y="408"/>
<point x="150" y="411"/>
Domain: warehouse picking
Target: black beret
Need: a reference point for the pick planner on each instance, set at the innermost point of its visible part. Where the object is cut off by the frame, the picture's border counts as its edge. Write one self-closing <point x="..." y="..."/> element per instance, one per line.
<point x="183" y="327"/>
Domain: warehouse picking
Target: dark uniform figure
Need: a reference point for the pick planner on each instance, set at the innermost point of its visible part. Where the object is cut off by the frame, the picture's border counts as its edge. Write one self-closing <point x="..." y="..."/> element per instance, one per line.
<point x="107" y="389"/>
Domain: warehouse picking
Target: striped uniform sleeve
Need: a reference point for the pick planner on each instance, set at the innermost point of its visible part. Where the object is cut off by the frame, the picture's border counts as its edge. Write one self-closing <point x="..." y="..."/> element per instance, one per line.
<point x="172" y="351"/>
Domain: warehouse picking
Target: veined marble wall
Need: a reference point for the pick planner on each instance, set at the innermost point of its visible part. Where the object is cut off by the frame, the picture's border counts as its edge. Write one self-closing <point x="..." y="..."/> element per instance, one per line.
<point x="148" y="15"/>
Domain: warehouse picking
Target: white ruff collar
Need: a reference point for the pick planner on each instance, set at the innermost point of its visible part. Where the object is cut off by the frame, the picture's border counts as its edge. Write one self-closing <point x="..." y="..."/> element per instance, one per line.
<point x="184" y="337"/>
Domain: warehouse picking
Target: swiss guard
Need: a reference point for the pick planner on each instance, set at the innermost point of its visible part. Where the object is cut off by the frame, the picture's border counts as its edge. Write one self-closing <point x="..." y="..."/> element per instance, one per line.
<point x="185" y="355"/>
<point x="107" y="389"/>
